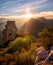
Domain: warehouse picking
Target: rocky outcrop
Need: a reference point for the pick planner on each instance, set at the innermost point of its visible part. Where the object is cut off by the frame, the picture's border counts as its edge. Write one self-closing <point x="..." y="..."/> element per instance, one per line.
<point x="10" y="31"/>
<point x="42" y="56"/>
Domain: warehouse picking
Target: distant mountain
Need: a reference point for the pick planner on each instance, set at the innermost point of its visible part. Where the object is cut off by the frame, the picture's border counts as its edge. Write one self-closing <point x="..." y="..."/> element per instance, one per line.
<point x="2" y="23"/>
<point x="33" y="26"/>
<point x="18" y="21"/>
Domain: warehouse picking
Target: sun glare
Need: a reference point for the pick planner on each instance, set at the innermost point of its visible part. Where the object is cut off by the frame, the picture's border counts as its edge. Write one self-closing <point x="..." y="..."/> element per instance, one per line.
<point x="28" y="16"/>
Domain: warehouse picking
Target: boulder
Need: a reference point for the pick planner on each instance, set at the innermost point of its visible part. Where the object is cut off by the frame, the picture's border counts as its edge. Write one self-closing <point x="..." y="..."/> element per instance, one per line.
<point x="40" y="54"/>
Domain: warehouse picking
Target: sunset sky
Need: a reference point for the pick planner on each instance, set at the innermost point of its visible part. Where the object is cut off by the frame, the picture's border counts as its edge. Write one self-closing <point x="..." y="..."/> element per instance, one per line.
<point x="22" y="7"/>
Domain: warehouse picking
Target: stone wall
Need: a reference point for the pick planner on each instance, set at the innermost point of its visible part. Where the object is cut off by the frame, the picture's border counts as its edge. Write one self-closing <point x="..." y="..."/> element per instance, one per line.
<point x="10" y="31"/>
<point x="1" y="36"/>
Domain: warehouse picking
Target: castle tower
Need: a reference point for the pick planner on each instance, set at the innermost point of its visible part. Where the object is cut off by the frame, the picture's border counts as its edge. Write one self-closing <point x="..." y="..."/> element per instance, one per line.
<point x="10" y="31"/>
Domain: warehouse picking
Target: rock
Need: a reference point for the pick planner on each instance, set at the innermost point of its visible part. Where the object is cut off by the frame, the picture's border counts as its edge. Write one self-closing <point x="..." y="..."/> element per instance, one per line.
<point x="51" y="48"/>
<point x="40" y="54"/>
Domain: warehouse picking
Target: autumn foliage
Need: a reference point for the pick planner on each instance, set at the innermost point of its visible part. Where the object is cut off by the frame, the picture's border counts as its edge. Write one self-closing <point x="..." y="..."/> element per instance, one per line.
<point x="20" y="51"/>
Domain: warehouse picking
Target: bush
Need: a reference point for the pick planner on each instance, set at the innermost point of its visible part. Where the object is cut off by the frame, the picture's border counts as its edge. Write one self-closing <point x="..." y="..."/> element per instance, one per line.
<point x="46" y="37"/>
<point x="21" y="42"/>
<point x="19" y="52"/>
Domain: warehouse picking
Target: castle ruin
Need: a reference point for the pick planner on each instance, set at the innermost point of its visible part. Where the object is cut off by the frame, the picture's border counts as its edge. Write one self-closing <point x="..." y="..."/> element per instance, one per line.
<point x="10" y="31"/>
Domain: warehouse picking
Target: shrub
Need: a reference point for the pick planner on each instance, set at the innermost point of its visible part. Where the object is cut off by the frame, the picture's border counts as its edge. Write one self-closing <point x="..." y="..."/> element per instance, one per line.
<point x="46" y="37"/>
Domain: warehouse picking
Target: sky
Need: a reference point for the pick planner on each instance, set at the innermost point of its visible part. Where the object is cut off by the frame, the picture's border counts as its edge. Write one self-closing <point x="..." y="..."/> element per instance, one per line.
<point x="21" y="7"/>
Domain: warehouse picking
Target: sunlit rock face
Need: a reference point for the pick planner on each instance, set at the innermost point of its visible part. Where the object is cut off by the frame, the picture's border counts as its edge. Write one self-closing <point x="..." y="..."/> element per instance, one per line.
<point x="41" y="53"/>
<point x="10" y="31"/>
<point x="43" y="56"/>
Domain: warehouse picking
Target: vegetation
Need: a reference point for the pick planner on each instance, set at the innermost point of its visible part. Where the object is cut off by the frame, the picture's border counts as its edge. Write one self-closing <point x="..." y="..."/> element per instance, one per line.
<point x="20" y="51"/>
<point x="46" y="37"/>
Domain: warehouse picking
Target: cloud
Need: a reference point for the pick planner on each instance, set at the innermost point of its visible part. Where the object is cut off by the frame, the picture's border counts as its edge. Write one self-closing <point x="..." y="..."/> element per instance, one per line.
<point x="17" y="7"/>
<point x="20" y="7"/>
<point x="48" y="14"/>
<point x="40" y="1"/>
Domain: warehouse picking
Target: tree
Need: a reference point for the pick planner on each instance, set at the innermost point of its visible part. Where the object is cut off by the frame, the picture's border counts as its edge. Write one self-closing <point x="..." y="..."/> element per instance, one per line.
<point x="46" y="37"/>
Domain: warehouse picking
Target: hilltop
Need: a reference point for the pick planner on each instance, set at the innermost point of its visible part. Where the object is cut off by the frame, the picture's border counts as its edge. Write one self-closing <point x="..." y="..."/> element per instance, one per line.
<point x="33" y="26"/>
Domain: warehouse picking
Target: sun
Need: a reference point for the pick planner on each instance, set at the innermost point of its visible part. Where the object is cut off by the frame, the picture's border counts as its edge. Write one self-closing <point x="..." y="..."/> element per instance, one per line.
<point x="28" y="16"/>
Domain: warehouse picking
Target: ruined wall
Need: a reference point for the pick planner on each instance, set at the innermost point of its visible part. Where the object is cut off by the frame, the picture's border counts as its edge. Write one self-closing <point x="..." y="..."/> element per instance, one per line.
<point x="1" y="36"/>
<point x="10" y="31"/>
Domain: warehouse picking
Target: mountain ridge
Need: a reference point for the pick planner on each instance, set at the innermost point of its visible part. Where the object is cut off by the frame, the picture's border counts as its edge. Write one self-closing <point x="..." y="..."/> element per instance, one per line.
<point x="34" y="26"/>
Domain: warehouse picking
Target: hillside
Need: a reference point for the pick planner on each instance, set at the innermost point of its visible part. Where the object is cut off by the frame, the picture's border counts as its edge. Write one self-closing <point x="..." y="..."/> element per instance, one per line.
<point x="33" y="26"/>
